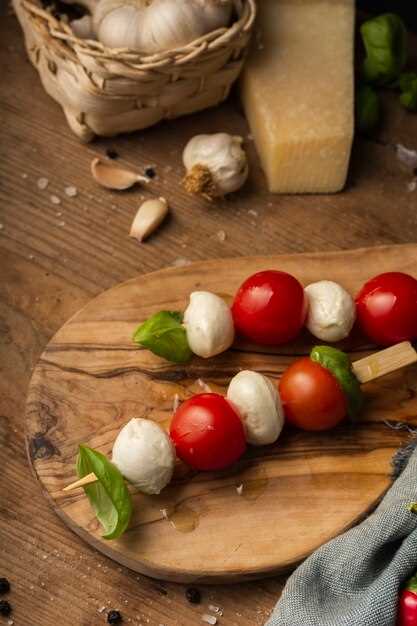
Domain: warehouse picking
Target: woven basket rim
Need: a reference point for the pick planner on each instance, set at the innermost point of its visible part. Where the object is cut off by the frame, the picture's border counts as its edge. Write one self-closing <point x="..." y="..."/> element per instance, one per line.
<point x="61" y="33"/>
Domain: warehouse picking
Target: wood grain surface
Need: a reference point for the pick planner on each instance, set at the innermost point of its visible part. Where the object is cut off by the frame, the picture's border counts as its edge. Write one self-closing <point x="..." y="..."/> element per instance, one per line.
<point x="297" y="494"/>
<point x="54" y="259"/>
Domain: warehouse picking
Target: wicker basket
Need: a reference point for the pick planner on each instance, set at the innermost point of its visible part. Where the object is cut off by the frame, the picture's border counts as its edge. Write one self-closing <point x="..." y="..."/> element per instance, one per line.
<point x="107" y="92"/>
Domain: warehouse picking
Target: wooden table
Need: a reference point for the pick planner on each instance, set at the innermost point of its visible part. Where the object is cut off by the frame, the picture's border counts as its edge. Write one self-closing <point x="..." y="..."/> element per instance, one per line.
<point x="56" y="257"/>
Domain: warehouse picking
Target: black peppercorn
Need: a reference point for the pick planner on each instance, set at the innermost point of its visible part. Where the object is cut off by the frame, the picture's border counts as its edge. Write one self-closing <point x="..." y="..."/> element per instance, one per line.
<point x="112" y="154"/>
<point x="193" y="595"/>
<point x="150" y="172"/>
<point x="4" y="586"/>
<point x="114" y="617"/>
<point x="5" y="608"/>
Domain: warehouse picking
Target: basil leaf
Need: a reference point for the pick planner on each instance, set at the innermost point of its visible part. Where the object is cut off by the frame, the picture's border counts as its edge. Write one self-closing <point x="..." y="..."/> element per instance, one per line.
<point x="109" y="496"/>
<point x="164" y="335"/>
<point x="385" y="41"/>
<point x="338" y="363"/>
<point x="408" y="85"/>
<point x="368" y="110"/>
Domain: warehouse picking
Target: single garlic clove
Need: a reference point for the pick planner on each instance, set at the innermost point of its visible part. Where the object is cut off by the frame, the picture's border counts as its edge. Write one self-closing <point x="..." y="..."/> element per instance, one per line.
<point x="115" y="177"/>
<point x="149" y="216"/>
<point x="259" y="405"/>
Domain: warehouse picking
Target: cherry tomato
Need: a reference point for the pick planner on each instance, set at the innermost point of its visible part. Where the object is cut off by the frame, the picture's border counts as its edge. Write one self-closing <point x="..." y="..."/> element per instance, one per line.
<point x="208" y="432"/>
<point x="311" y="396"/>
<point x="387" y="308"/>
<point x="270" y="308"/>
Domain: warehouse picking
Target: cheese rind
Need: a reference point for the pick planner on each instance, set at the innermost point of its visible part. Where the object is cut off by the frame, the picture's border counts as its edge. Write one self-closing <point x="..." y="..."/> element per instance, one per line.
<point x="298" y="93"/>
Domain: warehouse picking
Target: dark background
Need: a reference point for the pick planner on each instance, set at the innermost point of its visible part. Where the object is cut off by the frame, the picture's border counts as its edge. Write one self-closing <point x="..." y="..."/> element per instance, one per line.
<point x="406" y="8"/>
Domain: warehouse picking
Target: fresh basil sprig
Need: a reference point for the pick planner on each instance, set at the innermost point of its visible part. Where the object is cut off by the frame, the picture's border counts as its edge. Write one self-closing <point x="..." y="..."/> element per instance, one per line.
<point x="368" y="108"/>
<point x="109" y="496"/>
<point x="385" y="41"/>
<point x="408" y="85"/>
<point x="338" y="363"/>
<point x="164" y="335"/>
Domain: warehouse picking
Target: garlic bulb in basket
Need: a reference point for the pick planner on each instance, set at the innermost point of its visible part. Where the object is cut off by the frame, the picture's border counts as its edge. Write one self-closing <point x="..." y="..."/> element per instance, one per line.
<point x="152" y="26"/>
<point x="216" y="165"/>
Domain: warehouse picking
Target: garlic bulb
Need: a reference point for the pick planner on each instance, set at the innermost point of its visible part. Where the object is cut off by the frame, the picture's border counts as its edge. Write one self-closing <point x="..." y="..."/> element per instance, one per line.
<point x="209" y="324"/>
<point x="83" y="27"/>
<point x="216" y="164"/>
<point x="152" y="26"/>
<point x="259" y="406"/>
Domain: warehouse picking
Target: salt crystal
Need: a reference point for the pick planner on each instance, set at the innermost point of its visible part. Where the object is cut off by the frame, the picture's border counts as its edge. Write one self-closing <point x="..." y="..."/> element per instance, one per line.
<point x="10" y="622"/>
<point x="239" y="489"/>
<point x="213" y="608"/>
<point x="71" y="191"/>
<point x="61" y="223"/>
<point x="412" y="186"/>
<point x="250" y="137"/>
<point x="164" y="513"/>
<point x="406" y="156"/>
<point x="181" y="262"/>
<point x="55" y="200"/>
<point x="221" y="236"/>
<point x="45" y="556"/>
<point x="24" y="176"/>
<point x="1" y="226"/>
<point x="209" y="619"/>
<point x="253" y="212"/>
<point x="42" y="183"/>
<point x="203" y="385"/>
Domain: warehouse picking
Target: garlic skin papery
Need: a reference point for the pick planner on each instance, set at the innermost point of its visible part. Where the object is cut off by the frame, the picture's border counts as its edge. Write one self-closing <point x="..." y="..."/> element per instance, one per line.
<point x="152" y="26"/>
<point x="209" y="324"/>
<point x="259" y="405"/>
<point x="216" y="164"/>
<point x="83" y="27"/>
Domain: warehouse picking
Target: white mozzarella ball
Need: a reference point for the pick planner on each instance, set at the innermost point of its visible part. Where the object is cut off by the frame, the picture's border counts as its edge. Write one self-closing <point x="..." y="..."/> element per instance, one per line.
<point x="209" y="324"/>
<point x="145" y="455"/>
<point x="331" y="312"/>
<point x="259" y="406"/>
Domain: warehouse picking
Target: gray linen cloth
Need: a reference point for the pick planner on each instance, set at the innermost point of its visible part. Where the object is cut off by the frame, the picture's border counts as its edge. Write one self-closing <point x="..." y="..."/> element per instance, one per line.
<point x="354" y="580"/>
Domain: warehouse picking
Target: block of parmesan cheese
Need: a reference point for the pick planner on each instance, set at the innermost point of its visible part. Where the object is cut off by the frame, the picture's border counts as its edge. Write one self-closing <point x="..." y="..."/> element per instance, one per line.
<point x="298" y="94"/>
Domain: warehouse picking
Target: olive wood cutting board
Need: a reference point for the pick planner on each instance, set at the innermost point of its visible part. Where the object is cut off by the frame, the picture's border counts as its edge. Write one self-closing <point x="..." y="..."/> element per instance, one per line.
<point x="297" y="493"/>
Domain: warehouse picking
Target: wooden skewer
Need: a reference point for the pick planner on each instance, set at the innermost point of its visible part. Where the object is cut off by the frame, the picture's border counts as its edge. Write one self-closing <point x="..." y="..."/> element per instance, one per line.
<point x="82" y="482"/>
<point x="384" y="362"/>
<point x="366" y="369"/>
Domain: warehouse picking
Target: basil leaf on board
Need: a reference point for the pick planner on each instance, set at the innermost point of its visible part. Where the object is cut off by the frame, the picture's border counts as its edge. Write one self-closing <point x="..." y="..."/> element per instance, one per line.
<point x="109" y="496"/>
<point x="164" y="335"/>
<point x="385" y="41"/>
<point x="368" y="109"/>
<point x="408" y="85"/>
<point x="338" y="363"/>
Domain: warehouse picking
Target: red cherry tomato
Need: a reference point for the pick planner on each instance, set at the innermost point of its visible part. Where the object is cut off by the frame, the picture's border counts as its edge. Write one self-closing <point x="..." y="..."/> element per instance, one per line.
<point x="387" y="308"/>
<point x="407" y="609"/>
<point x="270" y="308"/>
<point x="207" y="432"/>
<point x="311" y="396"/>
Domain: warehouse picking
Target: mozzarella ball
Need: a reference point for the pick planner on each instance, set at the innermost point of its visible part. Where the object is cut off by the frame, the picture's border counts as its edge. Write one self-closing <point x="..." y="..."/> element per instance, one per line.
<point x="331" y="312"/>
<point x="209" y="324"/>
<point x="259" y="406"/>
<point x="145" y="455"/>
